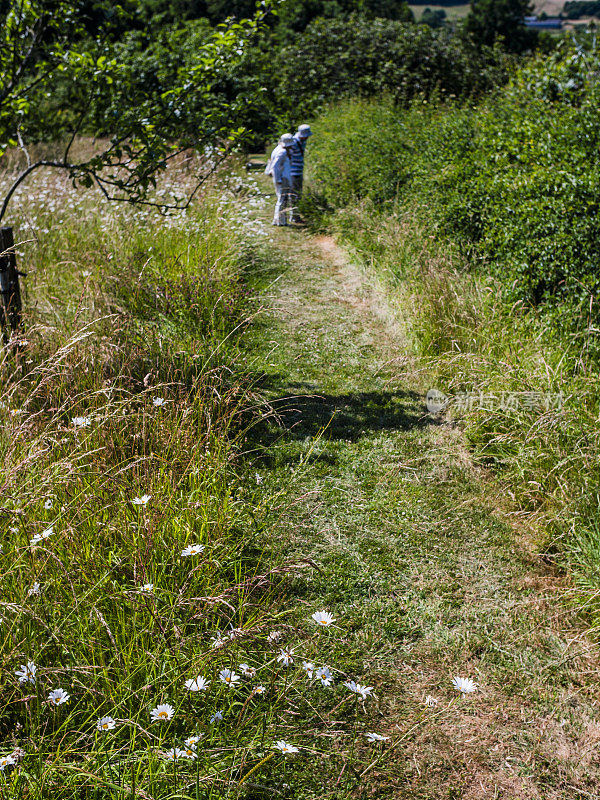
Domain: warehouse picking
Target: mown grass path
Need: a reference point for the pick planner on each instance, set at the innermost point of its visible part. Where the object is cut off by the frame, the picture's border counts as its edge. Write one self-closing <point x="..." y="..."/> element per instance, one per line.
<point x="421" y="557"/>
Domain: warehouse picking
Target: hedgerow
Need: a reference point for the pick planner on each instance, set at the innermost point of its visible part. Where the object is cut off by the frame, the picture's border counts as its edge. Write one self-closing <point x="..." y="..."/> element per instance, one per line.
<point x="361" y="57"/>
<point x="514" y="179"/>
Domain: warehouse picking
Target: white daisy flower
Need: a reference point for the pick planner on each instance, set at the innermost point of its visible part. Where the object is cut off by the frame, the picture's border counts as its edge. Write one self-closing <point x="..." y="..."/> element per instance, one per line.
<point x="216" y="717"/>
<point x="147" y="587"/>
<point x="247" y="671"/>
<point x="274" y="636"/>
<point x="309" y="668"/>
<point x="192" y="741"/>
<point x="106" y="724"/>
<point x="376" y="737"/>
<point x="229" y="677"/>
<point x="286" y="656"/>
<point x="142" y="501"/>
<point x="81" y="422"/>
<point x="174" y="753"/>
<point x="356" y="688"/>
<point x="48" y="505"/>
<point x="198" y="684"/>
<point x="431" y="702"/>
<point x="324" y="675"/>
<point x="6" y="761"/>
<point x="35" y="589"/>
<point x="162" y="712"/>
<point x="189" y="753"/>
<point x="464" y="685"/>
<point x="192" y="550"/>
<point x="259" y="690"/>
<point x="26" y="673"/>
<point x="284" y="747"/>
<point x="216" y="642"/>
<point x="159" y="401"/>
<point x="323" y="618"/>
<point x="39" y="537"/>
<point x="58" y="696"/>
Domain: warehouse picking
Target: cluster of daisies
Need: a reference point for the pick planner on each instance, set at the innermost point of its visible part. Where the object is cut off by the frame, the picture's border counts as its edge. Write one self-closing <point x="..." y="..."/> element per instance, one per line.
<point x="231" y="678"/>
<point x="164" y="712"/>
<point x="49" y="199"/>
<point x="140" y="502"/>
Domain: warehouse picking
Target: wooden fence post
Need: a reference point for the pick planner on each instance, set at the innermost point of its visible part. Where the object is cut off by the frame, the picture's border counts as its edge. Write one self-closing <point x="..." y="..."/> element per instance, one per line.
<point x="10" y="308"/>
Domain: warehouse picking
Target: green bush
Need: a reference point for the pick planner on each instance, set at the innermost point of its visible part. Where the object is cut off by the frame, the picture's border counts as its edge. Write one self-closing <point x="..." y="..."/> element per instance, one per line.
<point x="341" y="58"/>
<point x="434" y="18"/>
<point x="515" y="180"/>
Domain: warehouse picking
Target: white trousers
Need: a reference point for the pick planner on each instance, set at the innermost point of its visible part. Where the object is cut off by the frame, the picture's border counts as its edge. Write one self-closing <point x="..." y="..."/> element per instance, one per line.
<point x="283" y="206"/>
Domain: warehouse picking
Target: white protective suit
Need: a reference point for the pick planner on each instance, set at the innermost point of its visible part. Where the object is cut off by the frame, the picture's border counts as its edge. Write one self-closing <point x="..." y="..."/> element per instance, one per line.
<point x="279" y="167"/>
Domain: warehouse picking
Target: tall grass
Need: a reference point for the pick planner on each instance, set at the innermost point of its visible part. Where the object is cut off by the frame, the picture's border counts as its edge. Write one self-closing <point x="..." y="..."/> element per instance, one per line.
<point x="117" y="447"/>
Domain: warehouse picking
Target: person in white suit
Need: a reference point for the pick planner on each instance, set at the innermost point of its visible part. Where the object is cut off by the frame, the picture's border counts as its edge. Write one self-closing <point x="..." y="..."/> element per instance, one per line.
<point x="280" y="167"/>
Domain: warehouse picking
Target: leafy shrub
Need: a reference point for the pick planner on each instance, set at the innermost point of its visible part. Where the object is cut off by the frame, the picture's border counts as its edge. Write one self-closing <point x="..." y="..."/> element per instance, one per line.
<point x="515" y="180"/>
<point x="435" y="18"/>
<point x="360" y="151"/>
<point x="337" y="58"/>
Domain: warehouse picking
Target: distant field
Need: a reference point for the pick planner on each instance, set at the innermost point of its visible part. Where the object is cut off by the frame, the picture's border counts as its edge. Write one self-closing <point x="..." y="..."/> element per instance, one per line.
<point x="459" y="11"/>
<point x="551" y="7"/>
<point x="452" y="12"/>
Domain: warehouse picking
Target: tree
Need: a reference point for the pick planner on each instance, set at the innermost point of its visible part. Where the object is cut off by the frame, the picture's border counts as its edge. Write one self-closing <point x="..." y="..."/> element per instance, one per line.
<point x="150" y="108"/>
<point x="386" y="9"/>
<point x="361" y="57"/>
<point x="219" y="10"/>
<point x="490" y="21"/>
<point x="296" y="15"/>
<point x="434" y="18"/>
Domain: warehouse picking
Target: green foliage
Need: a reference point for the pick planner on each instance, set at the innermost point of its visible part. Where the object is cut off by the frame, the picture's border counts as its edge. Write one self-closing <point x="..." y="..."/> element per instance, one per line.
<point x="493" y="20"/>
<point x="342" y="58"/>
<point x="183" y="92"/>
<point x="157" y="13"/>
<point x="434" y="18"/>
<point x="515" y="180"/>
<point x="575" y="9"/>
<point x="294" y="16"/>
<point x="360" y="151"/>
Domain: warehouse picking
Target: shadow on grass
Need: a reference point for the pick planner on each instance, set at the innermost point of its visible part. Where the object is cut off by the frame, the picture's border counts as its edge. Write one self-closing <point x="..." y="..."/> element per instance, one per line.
<point x="301" y="412"/>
